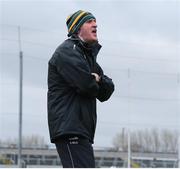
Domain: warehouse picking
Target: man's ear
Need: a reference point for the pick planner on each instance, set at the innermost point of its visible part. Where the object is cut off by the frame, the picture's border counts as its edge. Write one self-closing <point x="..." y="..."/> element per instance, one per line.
<point x="78" y="32"/>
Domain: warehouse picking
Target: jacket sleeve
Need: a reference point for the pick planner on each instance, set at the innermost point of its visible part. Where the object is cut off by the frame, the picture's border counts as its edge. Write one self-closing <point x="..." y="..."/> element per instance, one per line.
<point x="106" y="86"/>
<point x="76" y="73"/>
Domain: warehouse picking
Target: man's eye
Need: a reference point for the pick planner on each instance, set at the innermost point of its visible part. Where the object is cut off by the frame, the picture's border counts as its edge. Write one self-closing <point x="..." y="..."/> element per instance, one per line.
<point x="89" y="21"/>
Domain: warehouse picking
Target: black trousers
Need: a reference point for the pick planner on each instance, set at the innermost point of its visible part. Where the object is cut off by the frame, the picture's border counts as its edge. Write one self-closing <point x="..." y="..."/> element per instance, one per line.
<point x="75" y="152"/>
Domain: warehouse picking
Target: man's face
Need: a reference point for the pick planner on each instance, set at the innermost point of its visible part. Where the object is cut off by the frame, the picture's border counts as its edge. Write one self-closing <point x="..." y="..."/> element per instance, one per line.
<point x="88" y="31"/>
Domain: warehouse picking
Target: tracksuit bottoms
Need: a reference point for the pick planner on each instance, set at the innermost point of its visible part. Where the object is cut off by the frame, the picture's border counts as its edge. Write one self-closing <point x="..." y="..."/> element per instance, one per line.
<point x="75" y="152"/>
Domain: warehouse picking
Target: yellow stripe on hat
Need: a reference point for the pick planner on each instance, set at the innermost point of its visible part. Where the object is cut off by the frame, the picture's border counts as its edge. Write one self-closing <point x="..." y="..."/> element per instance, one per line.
<point x="68" y="17"/>
<point x="75" y="21"/>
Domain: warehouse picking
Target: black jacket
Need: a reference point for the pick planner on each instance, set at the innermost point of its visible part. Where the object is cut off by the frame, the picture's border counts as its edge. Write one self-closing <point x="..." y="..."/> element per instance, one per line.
<point x="72" y="90"/>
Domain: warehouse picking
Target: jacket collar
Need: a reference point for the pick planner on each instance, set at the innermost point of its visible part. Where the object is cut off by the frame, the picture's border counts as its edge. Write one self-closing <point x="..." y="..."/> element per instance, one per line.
<point x="92" y="48"/>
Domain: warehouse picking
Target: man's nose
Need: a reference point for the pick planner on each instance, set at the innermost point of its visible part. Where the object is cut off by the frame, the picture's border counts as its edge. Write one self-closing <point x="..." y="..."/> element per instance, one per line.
<point x="94" y="23"/>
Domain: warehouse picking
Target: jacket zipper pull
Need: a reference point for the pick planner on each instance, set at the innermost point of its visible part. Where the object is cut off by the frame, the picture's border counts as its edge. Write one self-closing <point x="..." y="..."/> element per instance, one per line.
<point x="74" y="47"/>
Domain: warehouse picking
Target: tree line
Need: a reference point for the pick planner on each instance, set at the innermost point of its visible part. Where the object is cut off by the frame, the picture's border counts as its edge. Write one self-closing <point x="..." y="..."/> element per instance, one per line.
<point x="147" y="140"/>
<point x="142" y="140"/>
<point x="32" y="141"/>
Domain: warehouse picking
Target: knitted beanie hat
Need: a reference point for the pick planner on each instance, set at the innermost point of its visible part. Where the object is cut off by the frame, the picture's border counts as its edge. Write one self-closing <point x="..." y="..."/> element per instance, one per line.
<point x="76" y="20"/>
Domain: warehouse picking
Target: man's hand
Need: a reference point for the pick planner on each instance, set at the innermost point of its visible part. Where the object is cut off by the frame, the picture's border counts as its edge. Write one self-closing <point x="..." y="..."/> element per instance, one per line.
<point x="97" y="77"/>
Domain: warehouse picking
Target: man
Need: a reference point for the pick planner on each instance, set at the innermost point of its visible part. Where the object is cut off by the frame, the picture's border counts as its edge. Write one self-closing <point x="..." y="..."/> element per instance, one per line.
<point x="75" y="80"/>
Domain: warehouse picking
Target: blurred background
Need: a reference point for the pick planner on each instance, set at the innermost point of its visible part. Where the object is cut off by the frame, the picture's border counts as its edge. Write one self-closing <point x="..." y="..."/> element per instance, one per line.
<point x="140" y="39"/>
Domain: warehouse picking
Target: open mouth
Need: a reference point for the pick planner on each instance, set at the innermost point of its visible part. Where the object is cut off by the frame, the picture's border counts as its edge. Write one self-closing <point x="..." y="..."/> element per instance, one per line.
<point x="94" y="31"/>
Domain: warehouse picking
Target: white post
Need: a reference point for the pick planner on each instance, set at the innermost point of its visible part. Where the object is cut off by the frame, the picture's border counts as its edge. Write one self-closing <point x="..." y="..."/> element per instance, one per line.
<point x="20" y="99"/>
<point x="179" y="151"/>
<point x="129" y="148"/>
<point x="129" y="134"/>
<point x="178" y="82"/>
